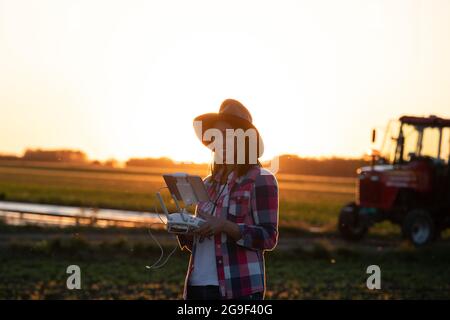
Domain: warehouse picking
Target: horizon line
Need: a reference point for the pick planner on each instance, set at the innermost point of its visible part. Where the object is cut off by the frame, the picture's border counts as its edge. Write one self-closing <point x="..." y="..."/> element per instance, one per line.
<point x="186" y="161"/>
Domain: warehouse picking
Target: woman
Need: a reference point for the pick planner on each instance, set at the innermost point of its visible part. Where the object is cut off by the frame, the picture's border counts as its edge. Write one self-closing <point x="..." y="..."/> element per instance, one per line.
<point x="227" y="251"/>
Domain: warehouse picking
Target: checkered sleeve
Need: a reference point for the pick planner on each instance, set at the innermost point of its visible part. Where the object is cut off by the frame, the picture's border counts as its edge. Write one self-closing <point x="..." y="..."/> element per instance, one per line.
<point x="263" y="234"/>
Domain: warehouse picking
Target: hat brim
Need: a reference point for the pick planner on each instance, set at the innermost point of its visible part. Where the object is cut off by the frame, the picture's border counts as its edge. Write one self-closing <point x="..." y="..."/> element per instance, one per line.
<point x="208" y="121"/>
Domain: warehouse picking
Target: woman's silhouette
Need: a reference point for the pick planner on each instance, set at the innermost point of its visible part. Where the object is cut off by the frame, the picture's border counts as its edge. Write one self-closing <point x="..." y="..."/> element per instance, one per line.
<point x="227" y="251"/>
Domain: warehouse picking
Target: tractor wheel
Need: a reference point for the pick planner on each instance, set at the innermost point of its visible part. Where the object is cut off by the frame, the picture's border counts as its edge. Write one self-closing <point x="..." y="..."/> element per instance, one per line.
<point x="418" y="227"/>
<point x="350" y="225"/>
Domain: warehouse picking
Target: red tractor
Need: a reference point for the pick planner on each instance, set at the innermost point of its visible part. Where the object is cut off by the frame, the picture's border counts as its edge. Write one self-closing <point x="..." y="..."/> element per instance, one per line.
<point x="408" y="182"/>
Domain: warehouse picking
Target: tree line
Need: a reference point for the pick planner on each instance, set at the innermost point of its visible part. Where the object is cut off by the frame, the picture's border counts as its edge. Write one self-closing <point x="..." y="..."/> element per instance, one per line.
<point x="291" y="164"/>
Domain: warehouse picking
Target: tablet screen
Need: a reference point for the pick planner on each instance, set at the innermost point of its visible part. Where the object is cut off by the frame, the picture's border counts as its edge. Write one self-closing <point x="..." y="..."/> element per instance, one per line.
<point x="187" y="188"/>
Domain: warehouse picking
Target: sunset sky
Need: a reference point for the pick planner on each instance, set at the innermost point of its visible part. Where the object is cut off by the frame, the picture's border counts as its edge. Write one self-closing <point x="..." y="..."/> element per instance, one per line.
<point x="125" y="78"/>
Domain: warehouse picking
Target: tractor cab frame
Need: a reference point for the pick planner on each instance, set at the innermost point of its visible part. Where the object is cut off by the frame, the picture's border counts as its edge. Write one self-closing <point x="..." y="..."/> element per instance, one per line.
<point x="408" y="182"/>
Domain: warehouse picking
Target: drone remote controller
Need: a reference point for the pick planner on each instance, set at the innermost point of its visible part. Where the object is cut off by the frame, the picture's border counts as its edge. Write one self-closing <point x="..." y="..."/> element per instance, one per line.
<point x="189" y="189"/>
<point x="180" y="222"/>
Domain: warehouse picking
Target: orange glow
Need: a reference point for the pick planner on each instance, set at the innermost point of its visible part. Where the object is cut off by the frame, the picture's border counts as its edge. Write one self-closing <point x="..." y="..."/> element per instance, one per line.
<point x="125" y="79"/>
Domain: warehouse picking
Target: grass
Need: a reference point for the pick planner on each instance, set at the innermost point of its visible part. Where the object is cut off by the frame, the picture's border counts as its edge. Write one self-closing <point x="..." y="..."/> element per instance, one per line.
<point x="108" y="272"/>
<point x="116" y="190"/>
<point x="79" y="191"/>
<point x="116" y="270"/>
<point x="134" y="190"/>
<point x="113" y="267"/>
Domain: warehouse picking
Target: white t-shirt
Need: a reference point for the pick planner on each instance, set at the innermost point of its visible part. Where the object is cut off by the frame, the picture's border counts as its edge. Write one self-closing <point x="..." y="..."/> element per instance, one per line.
<point x="205" y="268"/>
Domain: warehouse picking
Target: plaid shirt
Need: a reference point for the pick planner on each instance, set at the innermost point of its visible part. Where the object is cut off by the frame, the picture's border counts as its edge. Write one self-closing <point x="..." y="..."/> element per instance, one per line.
<point x="251" y="203"/>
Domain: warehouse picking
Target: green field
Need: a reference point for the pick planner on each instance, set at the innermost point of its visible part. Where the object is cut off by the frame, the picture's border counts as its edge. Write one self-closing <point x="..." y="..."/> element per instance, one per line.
<point x="305" y="201"/>
<point x="310" y="261"/>
<point x="302" y="198"/>
<point x="116" y="270"/>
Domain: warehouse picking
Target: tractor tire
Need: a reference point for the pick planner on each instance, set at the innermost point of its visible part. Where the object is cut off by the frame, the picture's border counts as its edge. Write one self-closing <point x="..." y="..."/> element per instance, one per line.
<point x="419" y="227"/>
<point x="349" y="224"/>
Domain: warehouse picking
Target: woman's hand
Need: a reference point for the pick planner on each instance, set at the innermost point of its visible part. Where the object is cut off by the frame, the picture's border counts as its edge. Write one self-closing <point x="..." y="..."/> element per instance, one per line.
<point x="214" y="225"/>
<point x="211" y="226"/>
